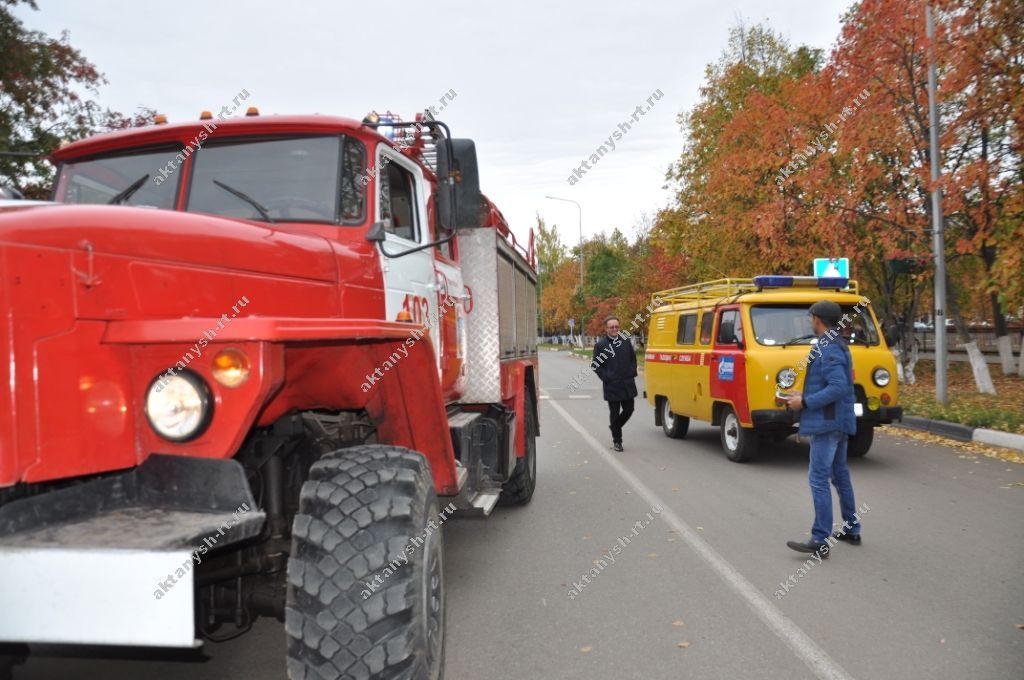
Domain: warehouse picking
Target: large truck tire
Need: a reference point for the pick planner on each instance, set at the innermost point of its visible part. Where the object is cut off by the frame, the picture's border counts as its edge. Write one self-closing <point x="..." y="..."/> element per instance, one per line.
<point x="518" y="490"/>
<point x="354" y="608"/>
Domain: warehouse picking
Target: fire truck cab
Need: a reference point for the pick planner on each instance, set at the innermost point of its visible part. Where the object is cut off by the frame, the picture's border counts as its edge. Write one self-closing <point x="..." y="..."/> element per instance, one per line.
<point x="247" y="362"/>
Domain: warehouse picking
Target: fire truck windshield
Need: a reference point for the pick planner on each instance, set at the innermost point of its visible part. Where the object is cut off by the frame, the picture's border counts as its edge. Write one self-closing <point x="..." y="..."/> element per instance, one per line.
<point x="102" y="180"/>
<point x="278" y="179"/>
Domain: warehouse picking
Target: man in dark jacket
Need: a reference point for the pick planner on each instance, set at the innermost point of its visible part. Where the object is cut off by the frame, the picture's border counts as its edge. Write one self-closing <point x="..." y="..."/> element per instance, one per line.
<point x="828" y="418"/>
<point x="615" y="364"/>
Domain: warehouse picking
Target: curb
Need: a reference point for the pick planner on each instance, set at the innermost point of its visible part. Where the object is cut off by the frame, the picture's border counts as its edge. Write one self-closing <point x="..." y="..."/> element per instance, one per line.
<point x="963" y="433"/>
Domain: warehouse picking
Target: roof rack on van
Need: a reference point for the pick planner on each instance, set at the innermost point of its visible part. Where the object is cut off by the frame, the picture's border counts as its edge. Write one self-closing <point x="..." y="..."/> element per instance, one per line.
<point x="705" y="291"/>
<point x="720" y="288"/>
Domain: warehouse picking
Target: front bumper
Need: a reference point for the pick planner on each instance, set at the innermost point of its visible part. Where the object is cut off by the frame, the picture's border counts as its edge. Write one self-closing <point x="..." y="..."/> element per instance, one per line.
<point x="112" y="561"/>
<point x="781" y="418"/>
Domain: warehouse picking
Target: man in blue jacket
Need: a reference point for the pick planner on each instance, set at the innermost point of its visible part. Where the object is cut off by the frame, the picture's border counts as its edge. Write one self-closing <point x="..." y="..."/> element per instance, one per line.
<point x="615" y="364"/>
<point x="828" y="418"/>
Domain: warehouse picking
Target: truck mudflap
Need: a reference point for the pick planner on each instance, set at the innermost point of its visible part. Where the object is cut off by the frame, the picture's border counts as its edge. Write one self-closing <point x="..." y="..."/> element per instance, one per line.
<point x="112" y="561"/>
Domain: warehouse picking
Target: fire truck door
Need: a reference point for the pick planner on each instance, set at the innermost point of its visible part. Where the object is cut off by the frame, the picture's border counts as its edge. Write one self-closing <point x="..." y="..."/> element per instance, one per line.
<point x="410" y="281"/>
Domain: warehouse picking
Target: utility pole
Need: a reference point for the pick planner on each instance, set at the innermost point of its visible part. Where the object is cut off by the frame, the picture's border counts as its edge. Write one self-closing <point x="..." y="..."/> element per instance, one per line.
<point x="938" y="238"/>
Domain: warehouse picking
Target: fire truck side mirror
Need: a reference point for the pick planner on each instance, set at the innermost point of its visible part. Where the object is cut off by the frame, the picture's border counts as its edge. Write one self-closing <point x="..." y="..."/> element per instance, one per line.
<point x="377" y="230"/>
<point x="460" y="203"/>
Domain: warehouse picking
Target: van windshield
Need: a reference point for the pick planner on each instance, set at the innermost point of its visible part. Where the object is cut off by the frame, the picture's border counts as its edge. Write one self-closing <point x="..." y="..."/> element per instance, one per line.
<point x="791" y="325"/>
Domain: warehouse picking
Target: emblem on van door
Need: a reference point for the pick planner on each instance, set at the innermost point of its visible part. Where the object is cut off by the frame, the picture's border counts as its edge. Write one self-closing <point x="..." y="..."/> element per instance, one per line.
<point x="726" y="368"/>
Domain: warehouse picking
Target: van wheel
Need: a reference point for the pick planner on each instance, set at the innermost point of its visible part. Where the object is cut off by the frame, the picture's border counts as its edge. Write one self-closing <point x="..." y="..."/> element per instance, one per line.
<point x="740" y="443"/>
<point x="860" y="443"/>
<point x="674" y="426"/>
<point x="350" y="612"/>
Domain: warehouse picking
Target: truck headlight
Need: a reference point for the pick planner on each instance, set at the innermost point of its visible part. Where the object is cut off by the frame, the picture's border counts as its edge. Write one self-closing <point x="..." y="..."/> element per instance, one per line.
<point x="786" y="378"/>
<point x="178" y="407"/>
<point x="881" y="377"/>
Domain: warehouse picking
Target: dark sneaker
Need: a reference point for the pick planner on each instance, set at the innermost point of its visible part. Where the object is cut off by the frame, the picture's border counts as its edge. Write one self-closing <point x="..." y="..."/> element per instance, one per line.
<point x="852" y="539"/>
<point x="617" y="446"/>
<point x="809" y="547"/>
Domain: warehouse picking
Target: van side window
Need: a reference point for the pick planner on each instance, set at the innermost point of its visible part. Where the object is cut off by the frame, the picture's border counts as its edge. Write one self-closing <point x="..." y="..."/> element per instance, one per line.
<point x="730" y="328"/>
<point x="687" y="329"/>
<point x="706" y="322"/>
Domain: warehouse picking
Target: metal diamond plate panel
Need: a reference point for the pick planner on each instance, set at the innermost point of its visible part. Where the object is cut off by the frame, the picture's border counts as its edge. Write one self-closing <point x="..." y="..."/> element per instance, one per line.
<point x="478" y="252"/>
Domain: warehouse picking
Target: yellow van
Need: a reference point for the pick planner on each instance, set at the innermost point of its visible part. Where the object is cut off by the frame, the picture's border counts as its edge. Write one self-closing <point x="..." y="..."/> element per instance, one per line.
<point x="719" y="351"/>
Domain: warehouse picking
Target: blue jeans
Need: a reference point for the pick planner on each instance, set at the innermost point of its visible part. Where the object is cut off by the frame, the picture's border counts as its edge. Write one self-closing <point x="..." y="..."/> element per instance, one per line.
<point x="828" y="463"/>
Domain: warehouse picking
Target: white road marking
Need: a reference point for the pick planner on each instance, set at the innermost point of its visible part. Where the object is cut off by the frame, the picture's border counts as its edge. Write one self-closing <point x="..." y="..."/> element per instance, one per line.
<point x="579" y="396"/>
<point x="544" y="396"/>
<point x="806" y="649"/>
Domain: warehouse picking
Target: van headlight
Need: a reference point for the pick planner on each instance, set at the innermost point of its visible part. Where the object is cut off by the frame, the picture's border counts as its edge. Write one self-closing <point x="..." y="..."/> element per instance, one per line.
<point x="881" y="377"/>
<point x="786" y="378"/>
<point x="178" y="407"/>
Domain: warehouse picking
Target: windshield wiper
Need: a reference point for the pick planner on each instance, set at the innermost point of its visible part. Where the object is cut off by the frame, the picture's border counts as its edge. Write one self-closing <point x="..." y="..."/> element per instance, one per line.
<point x="248" y="199"/>
<point x="127" y="193"/>
<point x="800" y="339"/>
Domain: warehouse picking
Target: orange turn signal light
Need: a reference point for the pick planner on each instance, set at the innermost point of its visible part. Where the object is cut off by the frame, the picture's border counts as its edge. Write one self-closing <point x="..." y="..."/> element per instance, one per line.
<point x="160" y="119"/>
<point x="252" y="111"/>
<point x="230" y="367"/>
<point x="205" y="115"/>
<point x="404" y="316"/>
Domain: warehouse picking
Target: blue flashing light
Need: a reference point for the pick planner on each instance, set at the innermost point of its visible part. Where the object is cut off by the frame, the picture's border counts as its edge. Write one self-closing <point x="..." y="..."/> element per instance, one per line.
<point x="777" y="281"/>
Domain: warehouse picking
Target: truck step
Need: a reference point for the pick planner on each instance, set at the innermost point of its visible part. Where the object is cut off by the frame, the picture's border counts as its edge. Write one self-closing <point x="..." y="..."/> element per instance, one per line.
<point x="482" y="504"/>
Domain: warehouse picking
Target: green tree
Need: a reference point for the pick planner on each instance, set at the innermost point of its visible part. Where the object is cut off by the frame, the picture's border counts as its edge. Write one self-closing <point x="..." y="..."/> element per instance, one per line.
<point x="46" y="90"/>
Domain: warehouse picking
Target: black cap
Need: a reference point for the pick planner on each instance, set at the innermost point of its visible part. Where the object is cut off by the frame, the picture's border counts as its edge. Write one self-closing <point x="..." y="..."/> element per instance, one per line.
<point x="828" y="311"/>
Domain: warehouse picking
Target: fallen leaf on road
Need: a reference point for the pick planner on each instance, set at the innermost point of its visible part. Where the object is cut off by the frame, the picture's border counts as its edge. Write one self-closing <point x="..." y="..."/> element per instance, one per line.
<point x="652" y="555"/>
<point x="678" y="623"/>
<point x="675" y="488"/>
<point x="586" y="649"/>
<point x="586" y="537"/>
<point x="1020" y="626"/>
<point x="684" y="644"/>
<point x="700" y="528"/>
<point x="572" y="493"/>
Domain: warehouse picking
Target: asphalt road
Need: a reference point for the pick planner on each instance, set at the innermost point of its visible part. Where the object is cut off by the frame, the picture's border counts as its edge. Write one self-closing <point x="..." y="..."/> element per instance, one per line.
<point x="934" y="591"/>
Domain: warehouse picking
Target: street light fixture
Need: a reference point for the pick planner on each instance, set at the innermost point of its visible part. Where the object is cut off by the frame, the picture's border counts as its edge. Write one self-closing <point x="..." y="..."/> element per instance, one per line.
<point x="580" y="215"/>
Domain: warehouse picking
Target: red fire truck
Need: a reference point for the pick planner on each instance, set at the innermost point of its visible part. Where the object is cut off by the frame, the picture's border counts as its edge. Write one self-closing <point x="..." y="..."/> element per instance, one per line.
<point x="243" y="361"/>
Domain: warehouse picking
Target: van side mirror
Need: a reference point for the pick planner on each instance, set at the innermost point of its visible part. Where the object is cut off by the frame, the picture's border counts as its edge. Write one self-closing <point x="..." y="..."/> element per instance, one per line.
<point x="460" y="203"/>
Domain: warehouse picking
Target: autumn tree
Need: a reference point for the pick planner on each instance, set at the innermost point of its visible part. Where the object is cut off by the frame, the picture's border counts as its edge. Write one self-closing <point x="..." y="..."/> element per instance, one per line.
<point x="46" y="97"/>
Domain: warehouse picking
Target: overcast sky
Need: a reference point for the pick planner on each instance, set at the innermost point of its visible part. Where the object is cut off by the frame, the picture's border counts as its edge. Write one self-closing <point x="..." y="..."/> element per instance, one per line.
<point x="540" y="85"/>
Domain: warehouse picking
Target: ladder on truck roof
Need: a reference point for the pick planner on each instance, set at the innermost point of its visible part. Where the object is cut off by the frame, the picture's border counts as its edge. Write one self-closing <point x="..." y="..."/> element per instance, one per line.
<point x="707" y="290"/>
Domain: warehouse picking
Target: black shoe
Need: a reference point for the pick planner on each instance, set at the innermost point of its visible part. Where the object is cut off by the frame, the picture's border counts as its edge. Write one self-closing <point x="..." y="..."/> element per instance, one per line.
<point x="852" y="539"/>
<point x="809" y="547"/>
<point x="617" y="446"/>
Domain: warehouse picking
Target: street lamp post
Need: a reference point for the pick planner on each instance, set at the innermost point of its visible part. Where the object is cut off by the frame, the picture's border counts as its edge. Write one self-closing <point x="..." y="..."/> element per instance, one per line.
<point x="580" y="215"/>
<point x="938" y="241"/>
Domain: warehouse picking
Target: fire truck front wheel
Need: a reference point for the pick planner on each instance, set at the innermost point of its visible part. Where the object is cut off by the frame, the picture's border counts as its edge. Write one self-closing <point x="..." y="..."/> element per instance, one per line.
<point x="518" y="490"/>
<point x="366" y="572"/>
<point x="740" y="443"/>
